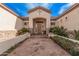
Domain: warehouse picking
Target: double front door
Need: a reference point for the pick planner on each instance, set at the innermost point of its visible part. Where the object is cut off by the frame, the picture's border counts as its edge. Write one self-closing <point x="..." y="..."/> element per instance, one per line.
<point x="39" y="27"/>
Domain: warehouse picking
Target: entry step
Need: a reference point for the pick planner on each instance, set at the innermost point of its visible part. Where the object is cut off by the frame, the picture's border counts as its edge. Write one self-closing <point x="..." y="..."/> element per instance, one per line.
<point x="34" y="36"/>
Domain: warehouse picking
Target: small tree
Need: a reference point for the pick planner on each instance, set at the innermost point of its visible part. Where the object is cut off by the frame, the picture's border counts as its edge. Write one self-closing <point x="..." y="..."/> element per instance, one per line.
<point x="59" y="31"/>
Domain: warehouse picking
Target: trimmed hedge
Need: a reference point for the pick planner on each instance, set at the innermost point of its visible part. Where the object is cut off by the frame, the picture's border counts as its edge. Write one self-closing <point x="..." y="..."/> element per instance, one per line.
<point x="70" y="46"/>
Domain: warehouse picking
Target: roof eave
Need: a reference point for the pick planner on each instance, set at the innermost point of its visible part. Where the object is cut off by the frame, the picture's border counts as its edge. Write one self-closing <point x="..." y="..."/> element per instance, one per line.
<point x="39" y="7"/>
<point x="9" y="10"/>
<point x="69" y="10"/>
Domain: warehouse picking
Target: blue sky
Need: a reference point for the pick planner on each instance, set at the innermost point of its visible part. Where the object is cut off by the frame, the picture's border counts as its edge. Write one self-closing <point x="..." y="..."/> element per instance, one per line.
<point x="22" y="8"/>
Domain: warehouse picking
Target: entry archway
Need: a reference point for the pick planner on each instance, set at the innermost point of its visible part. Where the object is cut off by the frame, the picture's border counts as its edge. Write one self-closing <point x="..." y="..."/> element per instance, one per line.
<point x="39" y="26"/>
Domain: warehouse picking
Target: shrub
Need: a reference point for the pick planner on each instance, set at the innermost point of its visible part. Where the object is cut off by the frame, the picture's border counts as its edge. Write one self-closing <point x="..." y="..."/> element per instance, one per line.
<point x="71" y="34"/>
<point x="76" y="34"/>
<point x="59" y="31"/>
<point x="22" y="31"/>
<point x="70" y="46"/>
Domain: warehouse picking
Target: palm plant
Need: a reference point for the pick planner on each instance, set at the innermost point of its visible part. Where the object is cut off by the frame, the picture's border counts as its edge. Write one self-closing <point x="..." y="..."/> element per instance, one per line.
<point x="59" y="31"/>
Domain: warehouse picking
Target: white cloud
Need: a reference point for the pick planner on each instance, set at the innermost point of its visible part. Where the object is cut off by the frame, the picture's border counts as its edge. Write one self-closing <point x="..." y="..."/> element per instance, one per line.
<point x="32" y="5"/>
<point x="63" y="8"/>
<point x="46" y="5"/>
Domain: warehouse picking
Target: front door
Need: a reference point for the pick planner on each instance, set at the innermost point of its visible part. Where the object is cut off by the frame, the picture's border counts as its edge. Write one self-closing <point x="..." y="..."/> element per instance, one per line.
<point x="39" y="27"/>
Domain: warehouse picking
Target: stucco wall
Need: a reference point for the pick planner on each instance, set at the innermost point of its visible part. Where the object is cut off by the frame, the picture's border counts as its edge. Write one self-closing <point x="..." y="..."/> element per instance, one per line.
<point x="72" y="21"/>
<point x="19" y="24"/>
<point x="6" y="44"/>
<point x="27" y="24"/>
<point x="9" y="24"/>
<point x="7" y="20"/>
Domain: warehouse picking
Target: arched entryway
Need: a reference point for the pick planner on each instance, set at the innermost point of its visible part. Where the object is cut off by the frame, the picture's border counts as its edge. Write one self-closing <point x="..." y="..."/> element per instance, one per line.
<point x="39" y="26"/>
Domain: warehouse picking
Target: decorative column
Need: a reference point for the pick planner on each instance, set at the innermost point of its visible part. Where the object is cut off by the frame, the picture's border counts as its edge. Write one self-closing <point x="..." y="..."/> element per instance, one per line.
<point x="47" y="25"/>
<point x="31" y="25"/>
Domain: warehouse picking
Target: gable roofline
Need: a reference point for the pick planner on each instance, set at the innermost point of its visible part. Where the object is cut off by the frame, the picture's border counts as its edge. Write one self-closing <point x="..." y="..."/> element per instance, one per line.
<point x="76" y="5"/>
<point x="39" y="7"/>
<point x="9" y="10"/>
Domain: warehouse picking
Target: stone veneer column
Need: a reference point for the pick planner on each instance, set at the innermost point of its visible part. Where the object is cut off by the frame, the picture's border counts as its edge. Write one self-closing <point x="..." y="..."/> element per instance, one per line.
<point x="31" y="25"/>
<point x="47" y="25"/>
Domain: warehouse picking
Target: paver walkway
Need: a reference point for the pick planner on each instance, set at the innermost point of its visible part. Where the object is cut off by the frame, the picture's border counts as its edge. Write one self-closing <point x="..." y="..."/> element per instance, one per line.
<point x="39" y="46"/>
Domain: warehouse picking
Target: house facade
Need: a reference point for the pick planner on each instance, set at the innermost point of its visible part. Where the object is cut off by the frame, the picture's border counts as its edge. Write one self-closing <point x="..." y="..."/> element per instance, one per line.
<point x="70" y="18"/>
<point x="38" y="21"/>
<point x="10" y="23"/>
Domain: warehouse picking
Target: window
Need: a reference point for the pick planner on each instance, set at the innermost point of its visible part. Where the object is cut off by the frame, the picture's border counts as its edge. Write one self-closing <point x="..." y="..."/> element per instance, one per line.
<point x="65" y="17"/>
<point x="52" y="23"/>
<point x="25" y="23"/>
<point x="39" y="21"/>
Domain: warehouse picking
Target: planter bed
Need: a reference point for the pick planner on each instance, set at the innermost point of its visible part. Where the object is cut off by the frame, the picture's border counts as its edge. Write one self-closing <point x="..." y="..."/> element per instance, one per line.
<point x="68" y="44"/>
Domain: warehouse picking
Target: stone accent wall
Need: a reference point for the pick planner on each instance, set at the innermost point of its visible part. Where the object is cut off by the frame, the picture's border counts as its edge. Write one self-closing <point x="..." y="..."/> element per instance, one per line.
<point x="7" y="34"/>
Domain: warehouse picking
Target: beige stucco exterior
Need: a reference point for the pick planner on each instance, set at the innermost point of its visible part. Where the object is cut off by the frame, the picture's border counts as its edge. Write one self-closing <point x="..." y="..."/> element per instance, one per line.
<point x="9" y="24"/>
<point x="70" y="20"/>
<point x="27" y="24"/>
<point x="7" y="20"/>
<point x="39" y="14"/>
<point x="19" y="24"/>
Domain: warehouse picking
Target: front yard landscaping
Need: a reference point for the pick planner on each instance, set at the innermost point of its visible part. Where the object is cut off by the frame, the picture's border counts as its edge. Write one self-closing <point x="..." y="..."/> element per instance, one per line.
<point x="62" y="38"/>
<point x="59" y="31"/>
<point x="22" y="31"/>
<point x="70" y="46"/>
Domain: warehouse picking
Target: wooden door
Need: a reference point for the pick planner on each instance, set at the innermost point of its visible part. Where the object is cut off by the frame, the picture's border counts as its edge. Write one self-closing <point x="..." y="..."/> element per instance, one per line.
<point x="39" y="28"/>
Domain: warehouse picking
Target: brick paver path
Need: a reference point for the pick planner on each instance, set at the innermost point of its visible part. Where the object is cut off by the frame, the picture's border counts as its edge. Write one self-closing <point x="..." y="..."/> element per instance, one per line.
<point x="39" y="46"/>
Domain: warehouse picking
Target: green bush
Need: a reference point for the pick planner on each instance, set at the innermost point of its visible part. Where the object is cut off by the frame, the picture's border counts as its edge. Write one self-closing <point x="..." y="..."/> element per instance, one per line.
<point x="76" y="34"/>
<point x="71" y="47"/>
<point x="22" y="31"/>
<point x="59" y="31"/>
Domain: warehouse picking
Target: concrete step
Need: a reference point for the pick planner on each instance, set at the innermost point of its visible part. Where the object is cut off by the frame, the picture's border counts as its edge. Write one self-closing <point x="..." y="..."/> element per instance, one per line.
<point x="39" y="36"/>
